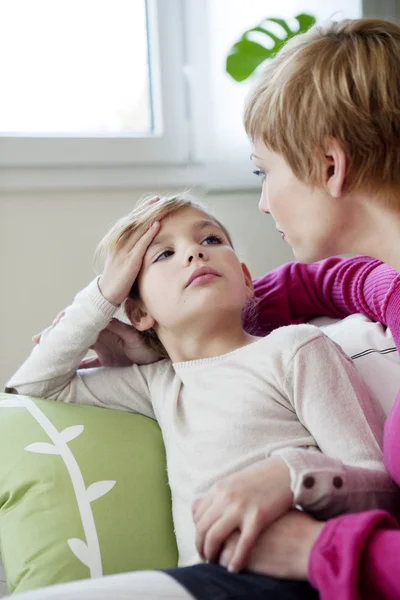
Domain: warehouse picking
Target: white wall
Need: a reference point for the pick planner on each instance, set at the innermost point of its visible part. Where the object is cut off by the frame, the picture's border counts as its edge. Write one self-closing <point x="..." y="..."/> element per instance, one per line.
<point x="46" y="247"/>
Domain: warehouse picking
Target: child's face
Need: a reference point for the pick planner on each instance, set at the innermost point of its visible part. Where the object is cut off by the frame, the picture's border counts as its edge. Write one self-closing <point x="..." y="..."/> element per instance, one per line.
<point x="187" y="241"/>
<point x="308" y="218"/>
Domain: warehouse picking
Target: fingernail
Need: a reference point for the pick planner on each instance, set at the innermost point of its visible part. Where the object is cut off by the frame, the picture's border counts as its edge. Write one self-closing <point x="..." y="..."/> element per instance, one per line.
<point x="231" y="568"/>
<point x="155" y="224"/>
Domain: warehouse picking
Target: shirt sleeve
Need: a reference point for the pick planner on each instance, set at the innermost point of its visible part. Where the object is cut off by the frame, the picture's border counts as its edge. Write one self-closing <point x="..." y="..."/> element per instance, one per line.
<point x="51" y="370"/>
<point x="345" y="471"/>
<point x="335" y="287"/>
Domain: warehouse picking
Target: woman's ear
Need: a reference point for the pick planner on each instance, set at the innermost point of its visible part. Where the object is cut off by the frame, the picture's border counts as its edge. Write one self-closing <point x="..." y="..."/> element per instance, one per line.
<point x="248" y="281"/>
<point x="140" y="319"/>
<point x="335" y="168"/>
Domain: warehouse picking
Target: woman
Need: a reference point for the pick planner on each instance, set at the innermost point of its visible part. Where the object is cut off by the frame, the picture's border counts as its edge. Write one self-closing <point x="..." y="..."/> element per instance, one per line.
<point x="331" y="181"/>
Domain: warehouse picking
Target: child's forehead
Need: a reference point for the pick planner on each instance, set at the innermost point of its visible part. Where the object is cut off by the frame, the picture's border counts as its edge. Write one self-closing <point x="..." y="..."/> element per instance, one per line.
<point x="187" y="216"/>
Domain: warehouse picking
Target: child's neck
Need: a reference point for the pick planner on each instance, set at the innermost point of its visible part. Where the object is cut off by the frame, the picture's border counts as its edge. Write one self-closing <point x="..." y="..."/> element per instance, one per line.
<point x="207" y="341"/>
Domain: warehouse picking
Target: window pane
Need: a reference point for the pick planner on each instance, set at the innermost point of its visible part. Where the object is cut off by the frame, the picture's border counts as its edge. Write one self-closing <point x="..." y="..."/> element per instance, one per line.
<point x="228" y="19"/>
<point x="74" y="67"/>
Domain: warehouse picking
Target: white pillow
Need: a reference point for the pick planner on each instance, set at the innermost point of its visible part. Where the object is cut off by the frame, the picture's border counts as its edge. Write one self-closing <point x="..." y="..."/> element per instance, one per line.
<point x="373" y="351"/>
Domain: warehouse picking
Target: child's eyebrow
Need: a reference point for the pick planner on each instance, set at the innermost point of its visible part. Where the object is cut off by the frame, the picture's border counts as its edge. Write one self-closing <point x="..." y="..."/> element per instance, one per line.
<point x="159" y="240"/>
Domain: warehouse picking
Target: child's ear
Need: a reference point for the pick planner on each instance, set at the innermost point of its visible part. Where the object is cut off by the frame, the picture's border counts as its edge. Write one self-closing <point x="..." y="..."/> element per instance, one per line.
<point x="140" y="319"/>
<point x="248" y="281"/>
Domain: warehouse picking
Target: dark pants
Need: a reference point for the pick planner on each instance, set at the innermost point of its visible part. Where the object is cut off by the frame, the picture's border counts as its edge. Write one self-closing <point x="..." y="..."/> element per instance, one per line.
<point x="208" y="581"/>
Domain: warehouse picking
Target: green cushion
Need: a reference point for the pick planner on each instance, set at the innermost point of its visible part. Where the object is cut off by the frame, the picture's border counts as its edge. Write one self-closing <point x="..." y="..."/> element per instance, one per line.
<point x="83" y="492"/>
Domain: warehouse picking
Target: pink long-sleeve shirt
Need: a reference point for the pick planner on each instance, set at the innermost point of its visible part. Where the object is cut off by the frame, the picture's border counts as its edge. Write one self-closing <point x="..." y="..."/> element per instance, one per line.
<point x="356" y="556"/>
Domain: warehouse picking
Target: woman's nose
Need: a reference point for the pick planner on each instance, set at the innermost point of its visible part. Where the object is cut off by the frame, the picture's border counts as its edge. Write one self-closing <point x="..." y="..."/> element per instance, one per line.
<point x="263" y="204"/>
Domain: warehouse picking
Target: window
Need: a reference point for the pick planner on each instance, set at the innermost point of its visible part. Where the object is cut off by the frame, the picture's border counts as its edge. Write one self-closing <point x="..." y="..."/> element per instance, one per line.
<point x="131" y="92"/>
<point x="228" y="19"/>
<point x="61" y="82"/>
<point x="91" y="82"/>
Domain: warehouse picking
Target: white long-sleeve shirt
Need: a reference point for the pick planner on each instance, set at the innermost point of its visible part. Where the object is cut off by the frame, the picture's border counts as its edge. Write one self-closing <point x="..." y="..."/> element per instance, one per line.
<point x="293" y="392"/>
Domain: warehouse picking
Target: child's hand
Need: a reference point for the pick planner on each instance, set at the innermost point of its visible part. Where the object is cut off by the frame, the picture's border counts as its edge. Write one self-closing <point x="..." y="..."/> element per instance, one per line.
<point x="282" y="550"/>
<point x="247" y="501"/>
<point x="118" y="345"/>
<point x="123" y="265"/>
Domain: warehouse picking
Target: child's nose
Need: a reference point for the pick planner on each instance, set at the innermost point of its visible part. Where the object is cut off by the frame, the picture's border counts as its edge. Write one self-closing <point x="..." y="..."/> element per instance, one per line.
<point x="198" y="254"/>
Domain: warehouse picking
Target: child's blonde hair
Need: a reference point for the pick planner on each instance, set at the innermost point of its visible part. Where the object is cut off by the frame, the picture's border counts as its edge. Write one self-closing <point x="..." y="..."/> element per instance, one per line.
<point x="340" y="80"/>
<point x="146" y="211"/>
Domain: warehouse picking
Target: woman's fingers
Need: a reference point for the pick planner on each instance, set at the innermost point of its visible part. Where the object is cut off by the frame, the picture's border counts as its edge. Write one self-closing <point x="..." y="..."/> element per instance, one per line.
<point x="123" y="330"/>
<point x="90" y="363"/>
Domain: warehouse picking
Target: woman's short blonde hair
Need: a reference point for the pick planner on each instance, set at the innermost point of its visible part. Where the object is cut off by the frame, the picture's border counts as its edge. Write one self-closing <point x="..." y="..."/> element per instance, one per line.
<point x="146" y="211"/>
<point x="340" y="80"/>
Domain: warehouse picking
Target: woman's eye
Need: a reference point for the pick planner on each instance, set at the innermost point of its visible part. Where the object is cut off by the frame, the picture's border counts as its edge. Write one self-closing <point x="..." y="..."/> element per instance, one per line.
<point x="164" y="255"/>
<point x="260" y="173"/>
<point x="213" y="239"/>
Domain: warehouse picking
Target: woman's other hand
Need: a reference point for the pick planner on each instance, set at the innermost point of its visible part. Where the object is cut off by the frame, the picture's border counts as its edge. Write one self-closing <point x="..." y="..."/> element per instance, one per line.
<point x="282" y="550"/>
<point x="118" y="345"/>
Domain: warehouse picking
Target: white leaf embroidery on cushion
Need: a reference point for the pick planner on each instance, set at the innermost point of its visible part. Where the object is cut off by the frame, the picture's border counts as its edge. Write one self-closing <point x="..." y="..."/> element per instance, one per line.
<point x="11" y="403"/>
<point x="70" y="433"/>
<point x="80" y="549"/>
<point x="99" y="489"/>
<point x="42" y="448"/>
<point x="89" y="552"/>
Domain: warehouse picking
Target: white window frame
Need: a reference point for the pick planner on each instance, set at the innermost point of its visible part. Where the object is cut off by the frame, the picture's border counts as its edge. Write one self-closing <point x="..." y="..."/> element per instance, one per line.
<point x="169" y="145"/>
<point x="177" y="158"/>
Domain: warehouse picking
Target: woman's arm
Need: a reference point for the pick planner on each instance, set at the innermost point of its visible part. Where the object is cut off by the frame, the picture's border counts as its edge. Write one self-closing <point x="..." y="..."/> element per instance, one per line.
<point x="356" y="557"/>
<point x="335" y="287"/>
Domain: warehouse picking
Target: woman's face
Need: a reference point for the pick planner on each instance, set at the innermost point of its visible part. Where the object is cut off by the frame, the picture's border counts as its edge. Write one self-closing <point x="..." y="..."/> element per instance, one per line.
<point x="309" y="219"/>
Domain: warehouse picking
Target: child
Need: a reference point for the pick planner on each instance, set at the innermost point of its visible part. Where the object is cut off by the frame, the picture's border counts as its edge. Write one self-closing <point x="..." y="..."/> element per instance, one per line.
<point x="289" y="406"/>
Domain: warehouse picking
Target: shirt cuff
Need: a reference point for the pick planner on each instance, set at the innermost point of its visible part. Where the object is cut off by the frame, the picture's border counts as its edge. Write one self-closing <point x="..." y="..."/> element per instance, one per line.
<point x="97" y="300"/>
<point x="318" y="482"/>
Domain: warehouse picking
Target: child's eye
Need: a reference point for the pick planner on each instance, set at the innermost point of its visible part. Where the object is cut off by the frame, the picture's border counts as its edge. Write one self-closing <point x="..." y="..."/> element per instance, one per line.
<point x="213" y="239"/>
<point x="260" y="173"/>
<point x="164" y="255"/>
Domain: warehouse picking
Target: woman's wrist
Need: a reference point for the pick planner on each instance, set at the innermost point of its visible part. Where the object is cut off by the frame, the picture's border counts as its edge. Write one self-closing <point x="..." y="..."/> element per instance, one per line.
<point x="307" y="539"/>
